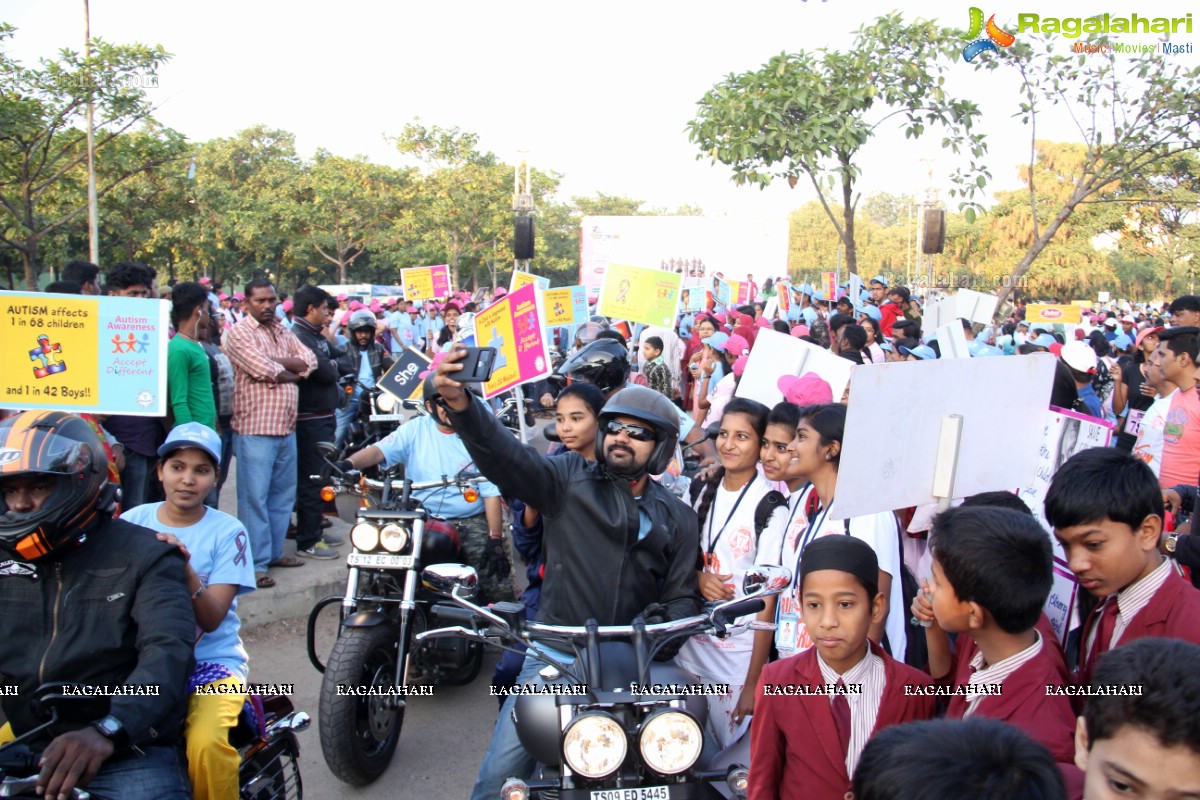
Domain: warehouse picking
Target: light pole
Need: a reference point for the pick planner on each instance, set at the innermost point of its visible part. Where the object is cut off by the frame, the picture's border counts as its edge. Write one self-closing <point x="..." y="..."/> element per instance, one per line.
<point x="93" y="211"/>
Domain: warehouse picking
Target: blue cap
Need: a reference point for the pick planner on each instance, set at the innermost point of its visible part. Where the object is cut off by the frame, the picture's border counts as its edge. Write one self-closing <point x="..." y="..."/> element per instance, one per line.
<point x="887" y="347"/>
<point x="1043" y="340"/>
<point x="870" y="311"/>
<point x="192" y="434"/>
<point x="921" y="351"/>
<point x="880" y="280"/>
<point x="804" y="288"/>
<point x="1122" y="342"/>
<point x="717" y="341"/>
<point x="819" y="297"/>
<point x="1041" y="326"/>
<point x="864" y="296"/>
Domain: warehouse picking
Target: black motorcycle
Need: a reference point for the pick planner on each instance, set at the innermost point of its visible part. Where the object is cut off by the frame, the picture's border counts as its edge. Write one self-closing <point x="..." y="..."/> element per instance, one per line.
<point x="378" y="414"/>
<point x="616" y="724"/>
<point x="375" y="665"/>
<point x="265" y="739"/>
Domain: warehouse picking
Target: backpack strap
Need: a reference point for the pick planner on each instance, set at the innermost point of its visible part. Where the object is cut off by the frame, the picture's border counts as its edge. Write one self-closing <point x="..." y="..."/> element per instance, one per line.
<point x="762" y="513"/>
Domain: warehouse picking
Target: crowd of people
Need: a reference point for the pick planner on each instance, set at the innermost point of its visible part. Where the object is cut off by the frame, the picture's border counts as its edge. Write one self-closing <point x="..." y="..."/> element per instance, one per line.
<point x="901" y="616"/>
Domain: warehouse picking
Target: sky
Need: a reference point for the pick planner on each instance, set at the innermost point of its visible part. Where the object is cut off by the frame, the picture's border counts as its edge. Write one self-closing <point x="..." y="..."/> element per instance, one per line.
<point x="600" y="92"/>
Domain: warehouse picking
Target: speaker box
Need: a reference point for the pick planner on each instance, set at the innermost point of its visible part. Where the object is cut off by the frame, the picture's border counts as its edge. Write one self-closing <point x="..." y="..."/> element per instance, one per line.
<point x="523" y="238"/>
<point x="935" y="231"/>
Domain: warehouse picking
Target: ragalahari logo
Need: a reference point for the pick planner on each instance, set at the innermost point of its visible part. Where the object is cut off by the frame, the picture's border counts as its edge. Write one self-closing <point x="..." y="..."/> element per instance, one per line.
<point x="995" y="36"/>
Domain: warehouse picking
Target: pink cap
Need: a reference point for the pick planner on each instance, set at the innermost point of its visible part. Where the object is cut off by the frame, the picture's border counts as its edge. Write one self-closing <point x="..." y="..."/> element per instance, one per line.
<point x="739" y="366"/>
<point x="239" y="296"/>
<point x="800" y="330"/>
<point x="1079" y="334"/>
<point x="1147" y="332"/>
<point x="375" y="307"/>
<point x="745" y="319"/>
<point x="720" y="317"/>
<point x="287" y="306"/>
<point x="737" y="344"/>
<point x="807" y="390"/>
<point x="341" y="298"/>
<point x="500" y="292"/>
<point x="1056" y="349"/>
<point x="222" y="297"/>
<point x="762" y="322"/>
<point x="205" y="281"/>
<point x="355" y="305"/>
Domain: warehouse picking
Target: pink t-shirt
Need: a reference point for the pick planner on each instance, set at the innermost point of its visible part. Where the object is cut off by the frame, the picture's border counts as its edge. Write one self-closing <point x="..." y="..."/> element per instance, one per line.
<point x="1181" y="440"/>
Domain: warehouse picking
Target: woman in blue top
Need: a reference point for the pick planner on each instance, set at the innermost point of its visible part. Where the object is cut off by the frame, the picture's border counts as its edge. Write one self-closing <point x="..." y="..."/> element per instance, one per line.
<point x="220" y="567"/>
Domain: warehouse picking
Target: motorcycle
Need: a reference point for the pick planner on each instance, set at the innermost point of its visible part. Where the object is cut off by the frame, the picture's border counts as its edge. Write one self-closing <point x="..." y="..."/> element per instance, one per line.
<point x="383" y="606"/>
<point x="265" y="738"/>
<point x="622" y="726"/>
<point x="378" y="414"/>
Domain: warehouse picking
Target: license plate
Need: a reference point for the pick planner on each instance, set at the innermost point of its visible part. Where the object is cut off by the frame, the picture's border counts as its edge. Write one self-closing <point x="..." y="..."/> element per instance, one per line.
<point x="640" y="793"/>
<point x="388" y="417"/>
<point x="381" y="561"/>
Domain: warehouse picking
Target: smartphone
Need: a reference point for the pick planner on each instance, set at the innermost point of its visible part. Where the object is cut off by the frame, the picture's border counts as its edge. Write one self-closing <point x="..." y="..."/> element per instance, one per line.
<point x="477" y="365"/>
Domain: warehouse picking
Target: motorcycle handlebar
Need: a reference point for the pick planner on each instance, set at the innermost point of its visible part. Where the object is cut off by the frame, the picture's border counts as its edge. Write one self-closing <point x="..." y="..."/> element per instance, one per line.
<point x="722" y="615"/>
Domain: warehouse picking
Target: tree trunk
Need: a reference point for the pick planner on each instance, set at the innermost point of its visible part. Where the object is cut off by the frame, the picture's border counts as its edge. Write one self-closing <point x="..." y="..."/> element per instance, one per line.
<point x="1170" y="276"/>
<point x="1038" y="246"/>
<point x="29" y="261"/>
<point x="848" y="221"/>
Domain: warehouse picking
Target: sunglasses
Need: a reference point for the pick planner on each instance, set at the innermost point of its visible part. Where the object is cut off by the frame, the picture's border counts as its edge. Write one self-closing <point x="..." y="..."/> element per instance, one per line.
<point x="638" y="433"/>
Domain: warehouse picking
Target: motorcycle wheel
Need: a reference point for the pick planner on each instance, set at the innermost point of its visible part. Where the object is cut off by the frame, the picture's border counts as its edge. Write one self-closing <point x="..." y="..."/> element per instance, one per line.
<point x="359" y="735"/>
<point x="469" y="671"/>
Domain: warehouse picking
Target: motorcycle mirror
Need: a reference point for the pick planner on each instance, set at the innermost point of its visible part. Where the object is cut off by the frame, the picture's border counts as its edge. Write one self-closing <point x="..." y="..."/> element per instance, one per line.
<point x="327" y="450"/>
<point x="763" y="578"/>
<point x="412" y="404"/>
<point x="347" y="505"/>
<point x="468" y="473"/>
<point x="443" y="579"/>
<point x="712" y="431"/>
<point x="551" y="432"/>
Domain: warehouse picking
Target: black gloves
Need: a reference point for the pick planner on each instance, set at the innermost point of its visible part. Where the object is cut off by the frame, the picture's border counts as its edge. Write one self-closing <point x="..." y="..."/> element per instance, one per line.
<point x="498" y="565"/>
<point x="654" y="614"/>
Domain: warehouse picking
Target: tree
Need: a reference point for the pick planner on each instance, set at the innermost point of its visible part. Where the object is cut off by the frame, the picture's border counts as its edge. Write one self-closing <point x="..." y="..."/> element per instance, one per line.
<point x="1132" y="114"/>
<point x="810" y="114"/>
<point x="42" y="150"/>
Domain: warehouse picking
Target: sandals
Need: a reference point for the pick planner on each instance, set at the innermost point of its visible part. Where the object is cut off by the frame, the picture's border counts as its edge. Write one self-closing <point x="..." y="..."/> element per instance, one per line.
<point x="263" y="581"/>
<point x="287" y="561"/>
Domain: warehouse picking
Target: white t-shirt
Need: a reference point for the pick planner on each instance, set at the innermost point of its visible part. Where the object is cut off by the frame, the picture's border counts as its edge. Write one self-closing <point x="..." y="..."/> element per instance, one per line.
<point x="1149" y="444"/>
<point x="878" y="530"/>
<point x="728" y="542"/>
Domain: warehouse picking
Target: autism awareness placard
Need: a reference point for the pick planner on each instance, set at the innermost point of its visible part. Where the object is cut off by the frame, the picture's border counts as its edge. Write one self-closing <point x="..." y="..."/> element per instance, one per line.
<point x="426" y="283"/>
<point x="105" y="355"/>
<point x="514" y="327"/>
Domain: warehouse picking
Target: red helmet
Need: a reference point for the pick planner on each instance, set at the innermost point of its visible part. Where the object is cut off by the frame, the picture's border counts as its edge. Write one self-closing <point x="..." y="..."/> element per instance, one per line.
<point x="64" y="447"/>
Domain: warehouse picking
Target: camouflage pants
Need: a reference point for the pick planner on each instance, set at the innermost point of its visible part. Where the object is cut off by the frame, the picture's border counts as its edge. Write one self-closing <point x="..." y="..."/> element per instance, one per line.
<point x="473" y="532"/>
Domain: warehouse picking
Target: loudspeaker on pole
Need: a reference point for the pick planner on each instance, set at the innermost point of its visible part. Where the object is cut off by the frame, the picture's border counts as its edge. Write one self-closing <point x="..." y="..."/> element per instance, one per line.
<point x="523" y="238"/>
<point x="935" y="231"/>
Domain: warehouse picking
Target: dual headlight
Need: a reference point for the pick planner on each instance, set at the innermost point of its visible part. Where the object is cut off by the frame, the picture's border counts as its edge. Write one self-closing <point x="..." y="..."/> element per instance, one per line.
<point x="595" y="743"/>
<point x="366" y="536"/>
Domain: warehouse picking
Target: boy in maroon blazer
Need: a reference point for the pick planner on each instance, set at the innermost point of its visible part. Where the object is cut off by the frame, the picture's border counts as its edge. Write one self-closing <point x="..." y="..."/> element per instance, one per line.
<point x="992" y="572"/>
<point x="1107" y="511"/>
<point x="1143" y="745"/>
<point x="816" y="710"/>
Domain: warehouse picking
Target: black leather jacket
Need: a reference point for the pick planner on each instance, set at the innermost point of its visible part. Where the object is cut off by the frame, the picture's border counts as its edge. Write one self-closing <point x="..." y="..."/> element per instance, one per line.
<point x="113" y="611"/>
<point x="596" y="568"/>
<point x="319" y="392"/>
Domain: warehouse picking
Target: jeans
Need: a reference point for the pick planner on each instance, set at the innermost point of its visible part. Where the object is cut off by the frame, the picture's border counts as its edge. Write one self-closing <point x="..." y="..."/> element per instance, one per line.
<point x="266" y="490"/>
<point x="139" y="480"/>
<point x="161" y="774"/>
<point x="505" y="757"/>
<point x="344" y="417"/>
<point x="309" y="505"/>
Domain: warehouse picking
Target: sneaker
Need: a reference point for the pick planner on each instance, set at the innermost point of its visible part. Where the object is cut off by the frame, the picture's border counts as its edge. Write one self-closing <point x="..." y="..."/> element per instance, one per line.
<point x="320" y="551"/>
<point x="333" y="539"/>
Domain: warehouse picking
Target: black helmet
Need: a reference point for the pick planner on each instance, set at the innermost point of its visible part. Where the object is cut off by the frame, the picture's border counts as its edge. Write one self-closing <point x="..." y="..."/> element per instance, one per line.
<point x="650" y="407"/>
<point x="65" y="447"/>
<point x="360" y="320"/>
<point x="604" y="363"/>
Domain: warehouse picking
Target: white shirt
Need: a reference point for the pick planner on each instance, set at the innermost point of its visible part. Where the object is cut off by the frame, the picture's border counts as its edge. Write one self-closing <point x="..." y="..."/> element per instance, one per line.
<point x="1149" y="444"/>
<point x="998" y="672"/>
<point x="871" y="678"/>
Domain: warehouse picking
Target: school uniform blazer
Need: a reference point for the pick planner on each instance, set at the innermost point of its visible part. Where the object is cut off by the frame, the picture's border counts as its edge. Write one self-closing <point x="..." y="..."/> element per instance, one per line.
<point x="1172" y="613"/>
<point x="1023" y="702"/>
<point x="794" y="750"/>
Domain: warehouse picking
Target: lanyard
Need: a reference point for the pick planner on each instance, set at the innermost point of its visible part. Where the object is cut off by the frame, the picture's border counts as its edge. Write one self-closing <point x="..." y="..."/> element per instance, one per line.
<point x="810" y="534"/>
<point x="788" y="526"/>
<point x="713" y="542"/>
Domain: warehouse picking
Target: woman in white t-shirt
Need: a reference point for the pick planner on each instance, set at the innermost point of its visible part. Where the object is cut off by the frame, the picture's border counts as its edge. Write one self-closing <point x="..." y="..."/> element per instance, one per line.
<point x="818" y="450"/>
<point x="730" y="545"/>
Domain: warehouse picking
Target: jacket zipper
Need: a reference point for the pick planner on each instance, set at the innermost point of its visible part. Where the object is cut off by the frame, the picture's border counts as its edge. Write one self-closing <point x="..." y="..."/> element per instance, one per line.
<point x="625" y="556"/>
<point x="54" y="629"/>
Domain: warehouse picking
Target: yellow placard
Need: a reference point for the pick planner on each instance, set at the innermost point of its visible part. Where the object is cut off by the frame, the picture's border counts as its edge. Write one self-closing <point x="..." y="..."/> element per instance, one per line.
<point x="1041" y="312"/>
<point x="640" y="294"/>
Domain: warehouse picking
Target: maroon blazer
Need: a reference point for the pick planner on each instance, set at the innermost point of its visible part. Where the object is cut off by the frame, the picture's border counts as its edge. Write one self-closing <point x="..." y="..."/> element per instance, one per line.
<point x="1024" y="703"/>
<point x="1172" y="613"/>
<point x="794" y="751"/>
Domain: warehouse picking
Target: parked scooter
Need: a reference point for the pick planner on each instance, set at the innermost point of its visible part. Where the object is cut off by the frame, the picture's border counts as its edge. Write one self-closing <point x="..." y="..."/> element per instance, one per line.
<point x="619" y="724"/>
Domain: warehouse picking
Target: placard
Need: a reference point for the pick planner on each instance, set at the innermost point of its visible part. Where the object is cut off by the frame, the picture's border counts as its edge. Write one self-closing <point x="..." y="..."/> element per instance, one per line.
<point x="1044" y="312"/>
<point x="566" y="305"/>
<point x="1063" y="434"/>
<point x="639" y="294"/>
<point x="829" y="286"/>
<point x="520" y="279"/>
<point x="692" y="299"/>
<point x="777" y="354"/>
<point x="426" y="283"/>
<point x="101" y="355"/>
<point x="514" y="327"/>
<point x="952" y="341"/>
<point x="784" y="293"/>
<point x="724" y="292"/>
<point x="1060" y="605"/>
<point x="991" y="394"/>
<point x="402" y="380"/>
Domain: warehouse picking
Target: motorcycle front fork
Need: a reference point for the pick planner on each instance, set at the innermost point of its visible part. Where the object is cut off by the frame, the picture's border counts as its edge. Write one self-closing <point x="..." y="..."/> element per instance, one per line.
<point x="408" y="606"/>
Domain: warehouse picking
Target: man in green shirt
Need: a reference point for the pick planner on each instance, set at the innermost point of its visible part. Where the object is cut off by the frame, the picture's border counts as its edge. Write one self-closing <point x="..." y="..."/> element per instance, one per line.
<point x="189" y="379"/>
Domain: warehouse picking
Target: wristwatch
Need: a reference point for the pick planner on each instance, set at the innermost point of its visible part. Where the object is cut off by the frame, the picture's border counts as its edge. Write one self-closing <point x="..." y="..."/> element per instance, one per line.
<point x="1170" y="543"/>
<point x="111" y="728"/>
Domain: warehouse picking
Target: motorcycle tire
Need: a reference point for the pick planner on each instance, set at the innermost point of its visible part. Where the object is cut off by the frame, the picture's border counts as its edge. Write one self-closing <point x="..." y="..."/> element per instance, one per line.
<point x="359" y="735"/>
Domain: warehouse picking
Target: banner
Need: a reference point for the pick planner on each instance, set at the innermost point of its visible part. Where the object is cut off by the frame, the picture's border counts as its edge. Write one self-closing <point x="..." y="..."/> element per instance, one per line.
<point x="829" y="286"/>
<point x="402" y="380"/>
<point x="639" y="294"/>
<point x="103" y="355"/>
<point x="514" y="327"/>
<point x="692" y="299"/>
<point x="784" y="292"/>
<point x="1036" y="312"/>
<point x="426" y="283"/>
<point x="520" y="279"/>
<point x="566" y="305"/>
<point x="724" y="292"/>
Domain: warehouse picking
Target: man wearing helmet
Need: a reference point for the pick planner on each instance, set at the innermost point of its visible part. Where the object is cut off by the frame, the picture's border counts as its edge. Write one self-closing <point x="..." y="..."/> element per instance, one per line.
<point x="91" y="600"/>
<point x="617" y="544"/>
<point x="365" y="358"/>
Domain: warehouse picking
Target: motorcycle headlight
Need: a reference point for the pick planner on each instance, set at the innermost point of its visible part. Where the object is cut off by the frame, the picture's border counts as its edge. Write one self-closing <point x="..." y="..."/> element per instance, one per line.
<point x="385" y="403"/>
<point x="670" y="741"/>
<point x="393" y="538"/>
<point x="594" y="744"/>
<point x="364" y="536"/>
